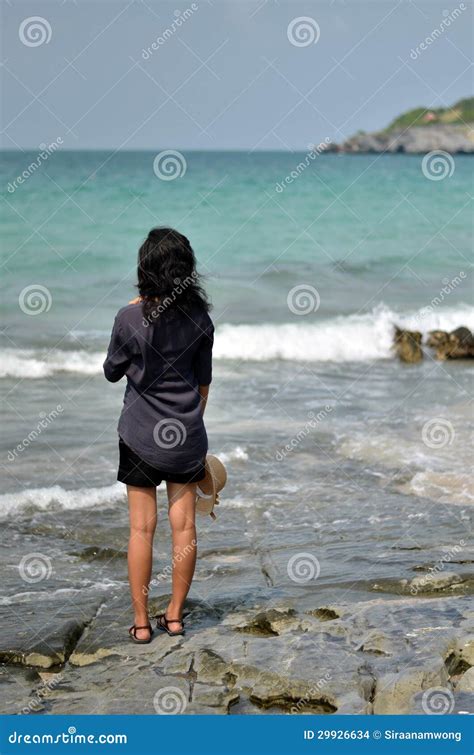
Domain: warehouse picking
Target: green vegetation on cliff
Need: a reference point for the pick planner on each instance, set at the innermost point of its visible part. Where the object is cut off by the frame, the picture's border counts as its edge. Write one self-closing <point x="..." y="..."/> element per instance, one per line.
<point x="460" y="113"/>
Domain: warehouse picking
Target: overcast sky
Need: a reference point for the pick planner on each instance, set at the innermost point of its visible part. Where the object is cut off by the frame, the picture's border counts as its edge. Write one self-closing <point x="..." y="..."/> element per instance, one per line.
<point x="233" y="75"/>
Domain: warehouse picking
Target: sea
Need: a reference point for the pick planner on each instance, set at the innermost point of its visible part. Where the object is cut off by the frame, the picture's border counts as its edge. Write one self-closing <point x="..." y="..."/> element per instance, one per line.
<point x="309" y="264"/>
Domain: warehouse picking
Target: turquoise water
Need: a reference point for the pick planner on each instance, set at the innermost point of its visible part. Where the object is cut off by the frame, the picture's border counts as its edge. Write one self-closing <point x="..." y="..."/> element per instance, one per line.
<point x="363" y="230"/>
<point x="371" y="241"/>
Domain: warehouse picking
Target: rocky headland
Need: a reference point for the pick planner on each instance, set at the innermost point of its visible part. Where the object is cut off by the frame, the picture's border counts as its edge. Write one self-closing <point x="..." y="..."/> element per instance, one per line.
<point x="419" y="131"/>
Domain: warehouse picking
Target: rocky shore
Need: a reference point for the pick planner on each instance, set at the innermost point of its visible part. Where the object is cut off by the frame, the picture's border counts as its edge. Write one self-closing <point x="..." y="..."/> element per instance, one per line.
<point x="415" y="140"/>
<point x="257" y="641"/>
<point x="459" y="344"/>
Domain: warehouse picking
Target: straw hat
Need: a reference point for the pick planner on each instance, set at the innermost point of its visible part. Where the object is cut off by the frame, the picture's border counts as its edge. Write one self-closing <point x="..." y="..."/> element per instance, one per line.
<point x="209" y="488"/>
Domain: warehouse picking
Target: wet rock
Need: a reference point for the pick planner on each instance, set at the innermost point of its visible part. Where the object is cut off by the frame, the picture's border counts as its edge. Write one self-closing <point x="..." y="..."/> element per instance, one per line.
<point x="466" y="682"/>
<point x="43" y="634"/>
<point x="408" y="345"/>
<point x="430" y="583"/>
<point x="17" y="687"/>
<point x="459" y="344"/>
<point x="394" y="691"/>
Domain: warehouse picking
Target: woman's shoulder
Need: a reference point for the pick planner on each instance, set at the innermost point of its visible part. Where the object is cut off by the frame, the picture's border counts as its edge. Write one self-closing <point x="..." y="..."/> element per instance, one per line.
<point x="130" y="313"/>
<point x="203" y="319"/>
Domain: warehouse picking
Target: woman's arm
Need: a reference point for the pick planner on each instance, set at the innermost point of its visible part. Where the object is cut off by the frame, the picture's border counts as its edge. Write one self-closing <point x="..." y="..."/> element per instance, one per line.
<point x="204" y="393"/>
<point x="118" y="357"/>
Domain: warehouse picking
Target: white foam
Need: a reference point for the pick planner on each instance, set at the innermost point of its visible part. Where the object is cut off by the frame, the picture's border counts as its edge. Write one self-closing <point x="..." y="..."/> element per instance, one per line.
<point x="341" y="339"/>
<point x="30" y="363"/>
<point x="56" y="498"/>
<point x="236" y="454"/>
<point x="351" y="338"/>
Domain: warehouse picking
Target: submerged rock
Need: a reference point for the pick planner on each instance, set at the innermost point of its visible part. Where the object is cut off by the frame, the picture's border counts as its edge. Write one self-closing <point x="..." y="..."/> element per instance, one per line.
<point x="459" y="344"/>
<point x="408" y="345"/>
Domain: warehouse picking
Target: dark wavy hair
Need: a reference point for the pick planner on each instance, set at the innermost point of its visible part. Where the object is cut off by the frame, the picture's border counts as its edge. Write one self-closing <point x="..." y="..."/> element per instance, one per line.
<point x="167" y="276"/>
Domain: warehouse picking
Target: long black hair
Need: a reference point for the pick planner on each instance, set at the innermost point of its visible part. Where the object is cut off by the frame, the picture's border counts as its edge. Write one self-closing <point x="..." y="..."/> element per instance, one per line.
<point x="167" y="276"/>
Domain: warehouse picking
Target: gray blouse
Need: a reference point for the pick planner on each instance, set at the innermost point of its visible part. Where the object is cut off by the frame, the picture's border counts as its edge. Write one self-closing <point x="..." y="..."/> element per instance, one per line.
<point x="165" y="363"/>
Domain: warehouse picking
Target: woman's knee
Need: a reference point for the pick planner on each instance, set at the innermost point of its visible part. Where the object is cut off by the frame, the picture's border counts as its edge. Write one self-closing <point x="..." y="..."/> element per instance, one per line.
<point x="143" y="527"/>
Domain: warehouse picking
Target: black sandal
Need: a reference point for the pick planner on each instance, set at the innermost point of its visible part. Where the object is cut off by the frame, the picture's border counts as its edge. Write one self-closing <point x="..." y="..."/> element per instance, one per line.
<point x="163" y="622"/>
<point x="133" y="634"/>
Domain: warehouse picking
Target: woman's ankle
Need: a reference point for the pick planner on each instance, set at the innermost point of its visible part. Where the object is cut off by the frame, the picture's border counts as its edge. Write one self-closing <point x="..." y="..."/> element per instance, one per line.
<point x="174" y="610"/>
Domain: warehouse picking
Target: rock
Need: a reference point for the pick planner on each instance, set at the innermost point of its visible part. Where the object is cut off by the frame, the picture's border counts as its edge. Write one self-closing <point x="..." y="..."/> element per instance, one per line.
<point x="408" y="345"/>
<point x="459" y="344"/>
<point x="44" y="634"/>
<point x="429" y="583"/>
<point x="450" y="138"/>
<point x="394" y="691"/>
<point x="466" y="682"/>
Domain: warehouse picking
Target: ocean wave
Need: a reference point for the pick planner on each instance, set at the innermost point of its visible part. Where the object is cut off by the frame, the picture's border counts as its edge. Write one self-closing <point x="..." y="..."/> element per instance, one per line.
<point x="56" y="498"/>
<point x="236" y="454"/>
<point x="31" y="363"/>
<point x="342" y="339"/>
<point x="351" y="338"/>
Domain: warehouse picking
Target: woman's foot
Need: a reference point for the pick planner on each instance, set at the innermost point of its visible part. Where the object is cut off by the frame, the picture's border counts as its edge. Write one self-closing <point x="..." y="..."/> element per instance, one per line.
<point x="141" y="631"/>
<point x="171" y="621"/>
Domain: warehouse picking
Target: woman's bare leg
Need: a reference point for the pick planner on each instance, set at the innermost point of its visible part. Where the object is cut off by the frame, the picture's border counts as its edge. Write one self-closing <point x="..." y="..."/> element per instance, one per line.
<point x="182" y="502"/>
<point x="142" y="511"/>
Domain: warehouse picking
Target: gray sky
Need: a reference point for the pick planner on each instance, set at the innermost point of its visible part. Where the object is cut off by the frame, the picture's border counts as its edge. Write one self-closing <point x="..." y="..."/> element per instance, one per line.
<point x="228" y="77"/>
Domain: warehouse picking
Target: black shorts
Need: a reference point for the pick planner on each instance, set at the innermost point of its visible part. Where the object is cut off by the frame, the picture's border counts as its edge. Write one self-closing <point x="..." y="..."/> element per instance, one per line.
<point x="134" y="471"/>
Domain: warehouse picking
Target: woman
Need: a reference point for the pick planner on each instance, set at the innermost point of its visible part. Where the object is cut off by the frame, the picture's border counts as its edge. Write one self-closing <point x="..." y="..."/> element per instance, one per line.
<point x="162" y="341"/>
